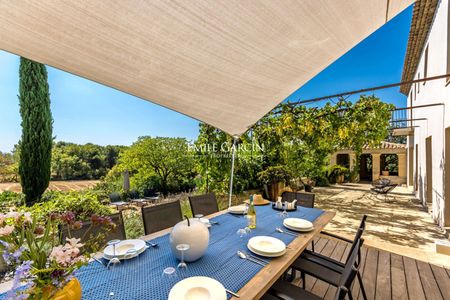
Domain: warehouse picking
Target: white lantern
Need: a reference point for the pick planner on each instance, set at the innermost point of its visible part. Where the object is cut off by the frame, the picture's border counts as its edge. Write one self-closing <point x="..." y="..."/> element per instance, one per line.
<point x="191" y="232"/>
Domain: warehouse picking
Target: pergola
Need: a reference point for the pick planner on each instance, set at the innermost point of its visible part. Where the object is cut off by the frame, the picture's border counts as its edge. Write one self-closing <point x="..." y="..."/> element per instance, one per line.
<point x="226" y="62"/>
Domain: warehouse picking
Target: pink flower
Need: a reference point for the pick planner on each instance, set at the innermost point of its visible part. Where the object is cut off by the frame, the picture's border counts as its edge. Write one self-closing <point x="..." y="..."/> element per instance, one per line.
<point x="13" y="214"/>
<point x="74" y="243"/>
<point x="68" y="254"/>
<point x="7" y="230"/>
<point x="27" y="217"/>
<point x="2" y="219"/>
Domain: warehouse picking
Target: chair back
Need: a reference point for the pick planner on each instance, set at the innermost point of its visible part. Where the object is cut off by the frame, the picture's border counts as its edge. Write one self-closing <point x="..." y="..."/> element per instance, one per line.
<point x="161" y="216"/>
<point x="203" y="204"/>
<point x="303" y="199"/>
<point x="134" y="194"/>
<point x="113" y="234"/>
<point x="150" y="193"/>
<point x="349" y="273"/>
<point x="114" y="197"/>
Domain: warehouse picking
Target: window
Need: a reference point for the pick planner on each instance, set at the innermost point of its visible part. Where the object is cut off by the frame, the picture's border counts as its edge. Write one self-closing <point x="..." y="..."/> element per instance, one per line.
<point x="418" y="84"/>
<point x="389" y="163"/>
<point x="343" y="160"/>
<point x="425" y="65"/>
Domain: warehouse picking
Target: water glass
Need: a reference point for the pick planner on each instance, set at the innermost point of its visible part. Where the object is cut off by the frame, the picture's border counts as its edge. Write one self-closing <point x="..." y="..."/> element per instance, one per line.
<point x="182" y="266"/>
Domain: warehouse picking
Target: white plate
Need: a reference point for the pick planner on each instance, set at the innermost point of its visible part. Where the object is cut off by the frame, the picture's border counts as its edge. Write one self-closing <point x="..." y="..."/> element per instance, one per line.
<point x="107" y="257"/>
<point x="267" y="245"/>
<point x="123" y="247"/>
<point x="198" y="288"/>
<point x="298" y="224"/>
<point x="266" y="254"/>
<point x="237" y="210"/>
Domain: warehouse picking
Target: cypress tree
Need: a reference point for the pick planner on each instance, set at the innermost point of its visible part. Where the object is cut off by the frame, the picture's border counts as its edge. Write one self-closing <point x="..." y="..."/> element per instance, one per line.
<point x="36" y="142"/>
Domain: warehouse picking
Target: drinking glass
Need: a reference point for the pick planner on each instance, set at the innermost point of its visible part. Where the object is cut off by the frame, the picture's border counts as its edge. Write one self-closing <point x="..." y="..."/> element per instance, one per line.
<point x="132" y="259"/>
<point x="283" y="214"/>
<point x="182" y="248"/>
<point x="114" y="260"/>
<point x="243" y="232"/>
<point x="169" y="274"/>
<point x="199" y="216"/>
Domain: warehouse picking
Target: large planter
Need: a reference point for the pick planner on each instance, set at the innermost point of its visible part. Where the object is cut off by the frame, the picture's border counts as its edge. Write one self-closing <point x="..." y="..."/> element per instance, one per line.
<point x="385" y="173"/>
<point x="274" y="190"/>
<point x="340" y="179"/>
<point x="71" y="291"/>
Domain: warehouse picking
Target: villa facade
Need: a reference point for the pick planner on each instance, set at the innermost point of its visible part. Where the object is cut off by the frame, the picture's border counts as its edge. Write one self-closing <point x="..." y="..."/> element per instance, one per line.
<point x="428" y="55"/>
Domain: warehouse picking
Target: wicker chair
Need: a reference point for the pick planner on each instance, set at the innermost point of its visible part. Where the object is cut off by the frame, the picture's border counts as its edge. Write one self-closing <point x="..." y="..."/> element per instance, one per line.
<point x="161" y="216"/>
<point x="343" y="281"/>
<point x="117" y="233"/>
<point x="303" y="199"/>
<point x="203" y="204"/>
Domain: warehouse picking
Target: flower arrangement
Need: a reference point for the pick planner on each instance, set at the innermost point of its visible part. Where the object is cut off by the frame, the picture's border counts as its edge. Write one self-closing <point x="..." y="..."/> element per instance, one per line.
<point x="39" y="257"/>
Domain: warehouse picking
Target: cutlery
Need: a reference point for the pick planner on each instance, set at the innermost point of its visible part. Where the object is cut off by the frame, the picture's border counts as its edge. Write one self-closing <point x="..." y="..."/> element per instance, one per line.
<point x="244" y="256"/>
<point x="286" y="232"/>
<point x="255" y="257"/>
<point x="232" y="293"/>
<point x="151" y="244"/>
<point x="99" y="261"/>
<point x="214" y="222"/>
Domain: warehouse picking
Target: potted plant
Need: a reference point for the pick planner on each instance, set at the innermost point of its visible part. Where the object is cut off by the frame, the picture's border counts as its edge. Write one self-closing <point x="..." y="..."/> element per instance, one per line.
<point x="46" y="264"/>
<point x="385" y="173"/>
<point x="274" y="177"/>
<point x="337" y="174"/>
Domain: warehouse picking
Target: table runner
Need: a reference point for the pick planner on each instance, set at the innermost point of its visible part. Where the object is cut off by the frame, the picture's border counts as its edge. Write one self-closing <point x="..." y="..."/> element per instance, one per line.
<point x="142" y="277"/>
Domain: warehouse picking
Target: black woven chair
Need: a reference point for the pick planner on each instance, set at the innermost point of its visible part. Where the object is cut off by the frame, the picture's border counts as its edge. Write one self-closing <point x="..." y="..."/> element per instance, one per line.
<point x="320" y="266"/>
<point x="161" y="216"/>
<point x="203" y="204"/>
<point x="303" y="199"/>
<point x="343" y="280"/>
<point x="113" y="234"/>
<point x="385" y="190"/>
<point x="134" y="194"/>
<point x="114" y="197"/>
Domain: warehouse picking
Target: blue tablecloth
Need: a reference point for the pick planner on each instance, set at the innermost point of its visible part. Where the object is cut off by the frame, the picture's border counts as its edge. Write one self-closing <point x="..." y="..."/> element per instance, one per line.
<point x="142" y="277"/>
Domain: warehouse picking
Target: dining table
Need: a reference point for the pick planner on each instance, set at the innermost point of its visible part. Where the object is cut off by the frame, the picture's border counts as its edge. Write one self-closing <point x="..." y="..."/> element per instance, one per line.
<point x="142" y="277"/>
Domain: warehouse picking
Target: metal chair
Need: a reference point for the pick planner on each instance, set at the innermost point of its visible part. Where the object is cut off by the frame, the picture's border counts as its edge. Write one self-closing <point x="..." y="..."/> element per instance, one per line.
<point x="203" y="204"/>
<point x="326" y="268"/>
<point x="285" y="290"/>
<point x="303" y="199"/>
<point x="385" y="190"/>
<point x="117" y="233"/>
<point x="114" y="197"/>
<point x="161" y="216"/>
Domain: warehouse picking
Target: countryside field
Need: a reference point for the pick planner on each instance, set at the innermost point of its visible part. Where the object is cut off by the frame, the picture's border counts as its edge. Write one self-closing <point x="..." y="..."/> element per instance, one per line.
<point x="65" y="185"/>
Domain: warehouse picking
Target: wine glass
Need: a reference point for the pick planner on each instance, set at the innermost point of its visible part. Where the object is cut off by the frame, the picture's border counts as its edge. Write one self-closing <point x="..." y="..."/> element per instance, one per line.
<point x="243" y="232"/>
<point x="133" y="259"/>
<point x="182" y="248"/>
<point x="114" y="260"/>
<point x="169" y="274"/>
<point x="283" y="214"/>
<point x="199" y="216"/>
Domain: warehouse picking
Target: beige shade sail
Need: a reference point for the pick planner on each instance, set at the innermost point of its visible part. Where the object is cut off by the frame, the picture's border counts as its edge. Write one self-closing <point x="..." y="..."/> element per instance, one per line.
<point x="224" y="62"/>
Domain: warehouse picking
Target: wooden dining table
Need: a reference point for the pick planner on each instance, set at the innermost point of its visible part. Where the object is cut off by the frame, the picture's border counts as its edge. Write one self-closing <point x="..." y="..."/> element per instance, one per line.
<point x="266" y="277"/>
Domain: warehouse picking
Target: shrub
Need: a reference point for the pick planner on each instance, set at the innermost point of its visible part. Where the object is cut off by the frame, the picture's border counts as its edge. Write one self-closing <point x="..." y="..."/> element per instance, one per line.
<point x="9" y="199"/>
<point x="82" y="204"/>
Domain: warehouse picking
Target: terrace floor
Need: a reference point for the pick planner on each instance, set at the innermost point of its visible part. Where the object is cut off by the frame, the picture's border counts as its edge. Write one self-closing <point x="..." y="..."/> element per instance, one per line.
<point x="386" y="275"/>
<point x="400" y="225"/>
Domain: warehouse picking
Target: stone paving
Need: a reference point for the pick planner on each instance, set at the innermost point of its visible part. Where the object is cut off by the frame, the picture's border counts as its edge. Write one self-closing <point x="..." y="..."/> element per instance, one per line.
<point x="399" y="224"/>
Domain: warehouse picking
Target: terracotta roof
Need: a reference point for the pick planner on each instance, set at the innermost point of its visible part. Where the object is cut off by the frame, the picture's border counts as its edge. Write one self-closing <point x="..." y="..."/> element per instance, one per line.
<point x="422" y="19"/>
<point x="386" y="145"/>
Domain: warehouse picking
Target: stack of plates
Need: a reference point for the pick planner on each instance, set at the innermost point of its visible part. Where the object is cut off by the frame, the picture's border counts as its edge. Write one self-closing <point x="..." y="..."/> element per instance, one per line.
<point x="198" y="288"/>
<point x="298" y="224"/>
<point x="238" y="209"/>
<point x="266" y="246"/>
<point x="123" y="247"/>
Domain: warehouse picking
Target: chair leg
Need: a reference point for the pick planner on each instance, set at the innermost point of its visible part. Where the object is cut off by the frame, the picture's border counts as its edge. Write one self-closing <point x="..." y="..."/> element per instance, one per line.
<point x="350" y="296"/>
<point x="303" y="276"/>
<point x="363" y="291"/>
<point x="312" y="246"/>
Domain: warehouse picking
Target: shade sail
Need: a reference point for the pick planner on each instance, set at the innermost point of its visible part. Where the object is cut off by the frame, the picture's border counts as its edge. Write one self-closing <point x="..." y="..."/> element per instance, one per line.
<point x="224" y="62"/>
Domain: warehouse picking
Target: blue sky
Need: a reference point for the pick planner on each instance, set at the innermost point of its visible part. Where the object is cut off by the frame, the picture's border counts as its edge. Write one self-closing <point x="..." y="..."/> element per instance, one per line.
<point x="85" y="111"/>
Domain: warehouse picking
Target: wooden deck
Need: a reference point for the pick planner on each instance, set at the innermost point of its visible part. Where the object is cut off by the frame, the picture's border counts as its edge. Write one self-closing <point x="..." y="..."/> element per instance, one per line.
<point x="385" y="275"/>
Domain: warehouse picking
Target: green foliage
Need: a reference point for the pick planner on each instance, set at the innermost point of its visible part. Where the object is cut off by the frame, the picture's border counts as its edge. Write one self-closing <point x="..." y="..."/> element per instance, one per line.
<point x="163" y="163"/>
<point x="82" y="204"/>
<point x="10" y="199"/>
<point x="274" y="174"/>
<point x="9" y="168"/>
<point x="89" y="161"/>
<point x="335" y="171"/>
<point x="36" y="141"/>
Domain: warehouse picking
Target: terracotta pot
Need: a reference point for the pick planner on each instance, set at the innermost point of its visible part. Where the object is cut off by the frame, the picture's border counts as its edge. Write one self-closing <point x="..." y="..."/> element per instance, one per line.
<point x="385" y="173"/>
<point x="340" y="179"/>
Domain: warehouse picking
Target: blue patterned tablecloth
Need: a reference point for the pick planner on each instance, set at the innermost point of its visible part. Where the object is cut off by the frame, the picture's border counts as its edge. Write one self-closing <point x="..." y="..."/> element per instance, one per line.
<point x="142" y="277"/>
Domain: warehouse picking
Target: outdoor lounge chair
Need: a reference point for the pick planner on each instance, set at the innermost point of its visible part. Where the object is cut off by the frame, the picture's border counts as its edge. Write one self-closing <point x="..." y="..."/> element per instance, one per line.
<point x="303" y="199"/>
<point x="161" y="216"/>
<point x="117" y="233"/>
<point x="320" y="266"/>
<point x="343" y="280"/>
<point x="385" y="190"/>
<point x="203" y="204"/>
